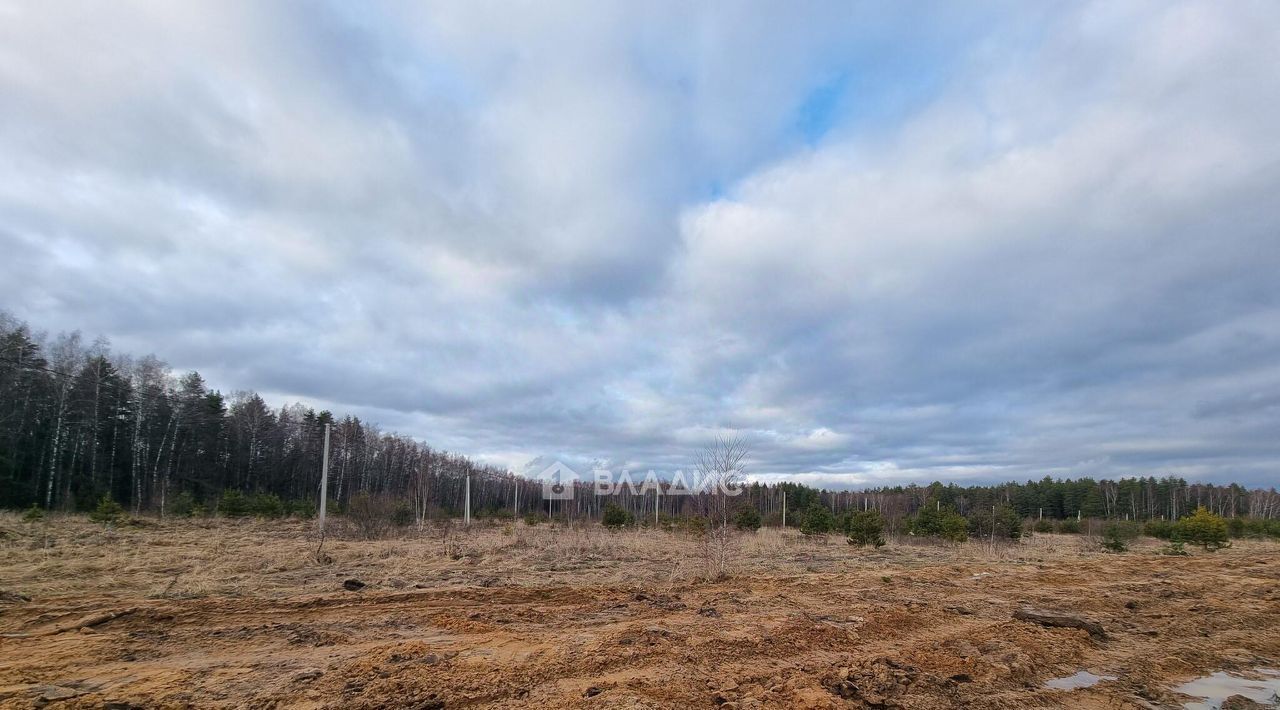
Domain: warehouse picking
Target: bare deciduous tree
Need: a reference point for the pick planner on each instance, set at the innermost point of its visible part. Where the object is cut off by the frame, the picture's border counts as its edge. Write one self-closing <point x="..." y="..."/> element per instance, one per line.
<point x="720" y="470"/>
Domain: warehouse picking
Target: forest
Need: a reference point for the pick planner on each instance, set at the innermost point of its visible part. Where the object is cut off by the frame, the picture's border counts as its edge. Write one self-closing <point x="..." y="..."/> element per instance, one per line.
<point x="79" y="422"/>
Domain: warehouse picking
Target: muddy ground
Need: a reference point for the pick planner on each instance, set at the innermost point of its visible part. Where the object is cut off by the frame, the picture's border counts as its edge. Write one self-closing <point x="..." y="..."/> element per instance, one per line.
<point x="235" y="614"/>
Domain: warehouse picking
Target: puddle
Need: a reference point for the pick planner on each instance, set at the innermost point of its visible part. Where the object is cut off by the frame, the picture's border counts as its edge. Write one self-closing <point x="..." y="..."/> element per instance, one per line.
<point x="1221" y="685"/>
<point x="1083" y="679"/>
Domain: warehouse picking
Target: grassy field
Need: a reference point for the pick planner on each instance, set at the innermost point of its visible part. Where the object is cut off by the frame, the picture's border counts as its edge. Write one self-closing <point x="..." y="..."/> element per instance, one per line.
<point x="227" y="613"/>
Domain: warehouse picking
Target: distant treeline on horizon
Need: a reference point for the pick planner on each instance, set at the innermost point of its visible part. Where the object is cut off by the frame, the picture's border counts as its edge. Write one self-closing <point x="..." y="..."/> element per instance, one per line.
<point x="78" y="422"/>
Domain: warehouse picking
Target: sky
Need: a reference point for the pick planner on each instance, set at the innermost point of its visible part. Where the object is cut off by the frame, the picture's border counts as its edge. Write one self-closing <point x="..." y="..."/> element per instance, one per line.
<point x="883" y="242"/>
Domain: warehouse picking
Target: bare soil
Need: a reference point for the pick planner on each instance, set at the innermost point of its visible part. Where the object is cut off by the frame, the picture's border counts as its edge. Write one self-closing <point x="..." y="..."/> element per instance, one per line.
<point x="234" y="614"/>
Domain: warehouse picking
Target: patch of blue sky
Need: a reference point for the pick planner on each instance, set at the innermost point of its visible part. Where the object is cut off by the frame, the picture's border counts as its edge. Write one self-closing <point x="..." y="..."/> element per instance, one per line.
<point x="879" y="88"/>
<point x="820" y="109"/>
<point x="375" y="59"/>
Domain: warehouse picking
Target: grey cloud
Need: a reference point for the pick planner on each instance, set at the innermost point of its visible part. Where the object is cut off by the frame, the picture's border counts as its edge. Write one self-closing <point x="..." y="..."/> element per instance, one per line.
<point x="592" y="231"/>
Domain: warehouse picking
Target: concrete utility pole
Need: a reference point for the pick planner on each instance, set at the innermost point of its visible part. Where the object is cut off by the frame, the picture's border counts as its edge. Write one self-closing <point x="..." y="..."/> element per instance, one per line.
<point x="784" y="510"/>
<point x="324" y="478"/>
<point x="517" y="505"/>
<point x="468" y="508"/>
<point x="657" y="503"/>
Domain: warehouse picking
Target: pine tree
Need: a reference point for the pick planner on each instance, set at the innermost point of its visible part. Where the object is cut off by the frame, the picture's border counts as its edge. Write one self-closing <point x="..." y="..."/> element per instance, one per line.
<point x="864" y="528"/>
<point x="1203" y="528"/>
<point x="817" y="520"/>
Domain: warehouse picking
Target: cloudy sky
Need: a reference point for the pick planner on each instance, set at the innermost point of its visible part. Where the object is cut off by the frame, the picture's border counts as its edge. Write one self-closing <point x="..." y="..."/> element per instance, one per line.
<point x="884" y="242"/>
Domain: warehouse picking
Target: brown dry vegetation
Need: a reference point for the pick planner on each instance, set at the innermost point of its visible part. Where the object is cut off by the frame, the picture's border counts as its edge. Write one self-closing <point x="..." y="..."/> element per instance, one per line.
<point x="240" y="613"/>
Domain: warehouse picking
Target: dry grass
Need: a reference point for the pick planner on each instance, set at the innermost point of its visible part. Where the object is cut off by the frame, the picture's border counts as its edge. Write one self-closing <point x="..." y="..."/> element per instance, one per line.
<point x="241" y="613"/>
<point x="68" y="555"/>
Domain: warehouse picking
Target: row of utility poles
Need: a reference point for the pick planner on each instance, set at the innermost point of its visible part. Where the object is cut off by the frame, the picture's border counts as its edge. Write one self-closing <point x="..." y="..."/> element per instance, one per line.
<point x="324" y="492"/>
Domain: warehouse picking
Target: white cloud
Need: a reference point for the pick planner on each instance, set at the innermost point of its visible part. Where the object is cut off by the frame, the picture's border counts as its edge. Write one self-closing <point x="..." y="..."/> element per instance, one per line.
<point x="596" y="229"/>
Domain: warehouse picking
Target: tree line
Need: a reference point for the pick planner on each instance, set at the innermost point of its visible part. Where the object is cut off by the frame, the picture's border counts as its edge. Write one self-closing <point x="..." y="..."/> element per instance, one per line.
<point x="79" y="422"/>
<point x="1137" y="498"/>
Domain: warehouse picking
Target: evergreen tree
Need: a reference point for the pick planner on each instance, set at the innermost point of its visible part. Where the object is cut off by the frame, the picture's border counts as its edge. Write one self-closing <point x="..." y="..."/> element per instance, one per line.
<point x="864" y="528"/>
<point x="747" y="517"/>
<point x="818" y="519"/>
<point x="616" y="517"/>
<point x="1203" y="528"/>
<point x="1005" y="524"/>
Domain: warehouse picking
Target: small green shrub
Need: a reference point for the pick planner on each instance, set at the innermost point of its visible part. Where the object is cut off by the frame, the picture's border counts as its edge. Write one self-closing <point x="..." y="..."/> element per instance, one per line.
<point x="182" y="505"/>
<point x="1203" y="528"/>
<point x="1261" y="527"/>
<point x="34" y="514"/>
<point x="1005" y="524"/>
<point x="616" y="517"/>
<point x="954" y="528"/>
<point x="695" y="526"/>
<point x="864" y="528"/>
<point x="747" y="518"/>
<point x="306" y="508"/>
<point x="535" y="518"/>
<point x="1159" y="529"/>
<point x="1043" y="526"/>
<point x="1069" y="527"/>
<point x="1117" y="535"/>
<point x="1235" y="527"/>
<point x="234" y="504"/>
<point x="107" y="512"/>
<point x="943" y="523"/>
<point x="669" y="523"/>
<point x="1175" y="549"/>
<point x="266" y="505"/>
<point x="818" y="520"/>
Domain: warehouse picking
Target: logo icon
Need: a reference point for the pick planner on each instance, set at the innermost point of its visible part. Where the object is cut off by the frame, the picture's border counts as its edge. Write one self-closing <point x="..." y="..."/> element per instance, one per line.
<point x="558" y="482"/>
